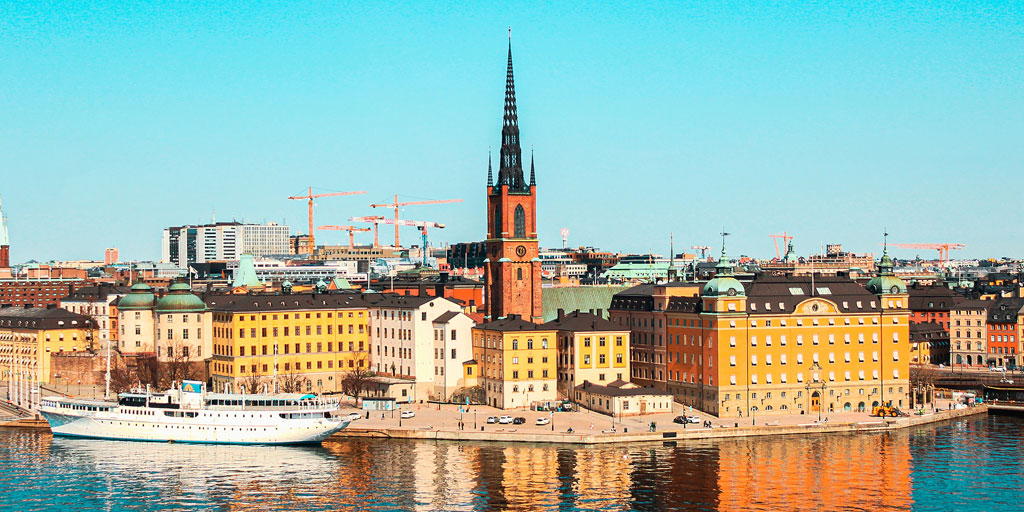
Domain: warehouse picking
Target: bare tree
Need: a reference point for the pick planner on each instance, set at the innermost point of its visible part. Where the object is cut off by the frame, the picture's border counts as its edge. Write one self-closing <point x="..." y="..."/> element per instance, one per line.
<point x="922" y="381"/>
<point x="179" y="366"/>
<point x="291" y="380"/>
<point x="252" y="383"/>
<point x="356" y="382"/>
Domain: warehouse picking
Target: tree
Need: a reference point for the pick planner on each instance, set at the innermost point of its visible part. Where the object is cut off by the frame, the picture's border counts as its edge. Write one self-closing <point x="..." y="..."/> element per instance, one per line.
<point x="252" y="383"/>
<point x="134" y="372"/>
<point x="291" y="380"/>
<point x="922" y="381"/>
<point x="356" y="382"/>
<point x="178" y="366"/>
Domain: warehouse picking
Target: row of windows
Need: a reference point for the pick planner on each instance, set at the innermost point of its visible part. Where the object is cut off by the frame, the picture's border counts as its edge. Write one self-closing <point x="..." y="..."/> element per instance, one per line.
<point x="288" y="331"/>
<point x="847" y="376"/>
<point x="296" y="366"/>
<point x="228" y="350"/>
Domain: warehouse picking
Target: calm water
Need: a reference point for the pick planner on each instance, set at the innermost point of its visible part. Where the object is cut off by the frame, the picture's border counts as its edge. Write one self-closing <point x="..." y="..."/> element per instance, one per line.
<point x="964" y="465"/>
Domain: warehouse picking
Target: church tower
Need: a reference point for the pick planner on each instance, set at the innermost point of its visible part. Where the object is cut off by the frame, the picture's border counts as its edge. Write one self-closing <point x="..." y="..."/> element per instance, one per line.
<point x="512" y="267"/>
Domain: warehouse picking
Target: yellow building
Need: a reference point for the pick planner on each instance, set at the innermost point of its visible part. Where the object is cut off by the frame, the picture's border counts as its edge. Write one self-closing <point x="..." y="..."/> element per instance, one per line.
<point x="29" y="335"/>
<point x="788" y="345"/>
<point x="516" y="361"/>
<point x="590" y="349"/>
<point x="283" y="342"/>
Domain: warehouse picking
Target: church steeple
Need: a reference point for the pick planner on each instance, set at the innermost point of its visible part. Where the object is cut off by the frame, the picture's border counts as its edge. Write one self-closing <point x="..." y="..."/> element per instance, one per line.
<point x="490" y="176"/>
<point x="510" y="165"/>
<point x="533" y="177"/>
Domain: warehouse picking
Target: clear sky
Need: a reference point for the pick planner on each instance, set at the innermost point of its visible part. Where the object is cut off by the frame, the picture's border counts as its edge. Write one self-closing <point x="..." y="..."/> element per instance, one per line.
<point x="825" y="120"/>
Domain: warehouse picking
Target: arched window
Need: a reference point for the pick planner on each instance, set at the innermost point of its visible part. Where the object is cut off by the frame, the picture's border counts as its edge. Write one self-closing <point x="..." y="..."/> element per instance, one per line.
<point x="497" y="223"/>
<point x="520" y="219"/>
<point x="519" y="274"/>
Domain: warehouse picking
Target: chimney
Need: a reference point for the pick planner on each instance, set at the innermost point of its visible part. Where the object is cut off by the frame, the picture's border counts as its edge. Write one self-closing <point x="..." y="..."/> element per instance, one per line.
<point x="598" y="312"/>
<point x="561" y="314"/>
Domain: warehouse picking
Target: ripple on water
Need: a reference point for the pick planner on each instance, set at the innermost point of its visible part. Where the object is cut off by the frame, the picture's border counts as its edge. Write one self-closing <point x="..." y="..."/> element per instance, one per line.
<point x="965" y="465"/>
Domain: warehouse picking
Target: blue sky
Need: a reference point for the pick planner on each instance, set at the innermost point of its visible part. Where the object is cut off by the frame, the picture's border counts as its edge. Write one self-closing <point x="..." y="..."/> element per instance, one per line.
<point x="826" y="120"/>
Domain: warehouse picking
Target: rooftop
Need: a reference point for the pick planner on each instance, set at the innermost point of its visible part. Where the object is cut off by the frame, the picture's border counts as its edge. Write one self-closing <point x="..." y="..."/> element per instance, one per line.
<point x="513" y="323"/>
<point x="578" y="321"/>
<point x="42" y="318"/>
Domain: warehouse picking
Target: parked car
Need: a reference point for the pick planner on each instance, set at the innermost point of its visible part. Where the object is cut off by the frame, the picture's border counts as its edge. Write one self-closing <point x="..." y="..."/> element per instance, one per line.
<point x="408" y="414"/>
<point x="679" y="419"/>
<point x="519" y="421"/>
<point x="492" y="419"/>
<point x="997" y="368"/>
<point x="693" y="419"/>
<point x="352" y="416"/>
<point x="505" y="420"/>
<point x="543" y="420"/>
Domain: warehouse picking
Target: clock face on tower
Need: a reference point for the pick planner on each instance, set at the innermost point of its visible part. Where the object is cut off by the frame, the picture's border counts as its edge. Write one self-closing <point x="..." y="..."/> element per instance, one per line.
<point x="521" y="251"/>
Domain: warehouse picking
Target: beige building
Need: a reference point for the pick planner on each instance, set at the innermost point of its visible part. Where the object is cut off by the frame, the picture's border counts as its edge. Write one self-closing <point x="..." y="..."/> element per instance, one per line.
<point x="621" y="398"/>
<point x="590" y="348"/>
<point x="176" y="326"/>
<point x="516" y="361"/>
<point x="967" y="341"/>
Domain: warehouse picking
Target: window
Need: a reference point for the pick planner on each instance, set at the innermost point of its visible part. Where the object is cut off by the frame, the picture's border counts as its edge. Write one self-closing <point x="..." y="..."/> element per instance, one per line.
<point x="520" y="222"/>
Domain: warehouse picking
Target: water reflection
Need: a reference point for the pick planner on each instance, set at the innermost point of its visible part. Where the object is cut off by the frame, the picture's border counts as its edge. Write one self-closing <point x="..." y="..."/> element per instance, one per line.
<point x="851" y="472"/>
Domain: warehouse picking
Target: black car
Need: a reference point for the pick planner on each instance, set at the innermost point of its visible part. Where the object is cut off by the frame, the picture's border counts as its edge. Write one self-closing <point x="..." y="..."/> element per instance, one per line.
<point x="679" y="419"/>
<point x="519" y="421"/>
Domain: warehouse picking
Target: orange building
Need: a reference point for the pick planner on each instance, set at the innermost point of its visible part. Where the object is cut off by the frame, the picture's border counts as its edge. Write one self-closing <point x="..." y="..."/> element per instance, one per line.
<point x="787" y="345"/>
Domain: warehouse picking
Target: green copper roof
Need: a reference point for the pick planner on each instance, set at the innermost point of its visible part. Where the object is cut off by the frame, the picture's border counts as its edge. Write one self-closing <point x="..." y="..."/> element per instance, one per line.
<point x="180" y="298"/>
<point x="245" y="275"/>
<point x="723" y="283"/>
<point x="886" y="280"/>
<point x="140" y="297"/>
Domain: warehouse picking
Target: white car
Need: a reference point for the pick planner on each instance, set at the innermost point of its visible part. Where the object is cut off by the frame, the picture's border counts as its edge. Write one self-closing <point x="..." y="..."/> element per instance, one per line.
<point x="543" y="420"/>
<point x="352" y="416"/>
<point x="505" y="420"/>
<point x="408" y="414"/>
<point x="693" y="419"/>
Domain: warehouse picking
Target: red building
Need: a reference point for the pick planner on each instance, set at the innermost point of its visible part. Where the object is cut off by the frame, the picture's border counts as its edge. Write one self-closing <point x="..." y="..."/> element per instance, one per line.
<point x="512" y="267"/>
<point x="38" y="292"/>
<point x="932" y="304"/>
<point x="1001" y="330"/>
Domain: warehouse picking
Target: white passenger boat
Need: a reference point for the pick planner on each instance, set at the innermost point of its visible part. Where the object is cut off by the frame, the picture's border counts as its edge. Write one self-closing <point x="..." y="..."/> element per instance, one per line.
<point x="191" y="415"/>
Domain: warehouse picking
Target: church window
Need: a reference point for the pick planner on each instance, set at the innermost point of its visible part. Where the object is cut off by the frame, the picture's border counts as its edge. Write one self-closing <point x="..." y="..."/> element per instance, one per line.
<point x="519" y="274"/>
<point x="520" y="221"/>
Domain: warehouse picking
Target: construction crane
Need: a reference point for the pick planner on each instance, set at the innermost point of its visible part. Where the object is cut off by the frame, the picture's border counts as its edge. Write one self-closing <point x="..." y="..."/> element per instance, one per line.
<point x="396" y="205"/>
<point x="421" y="225"/>
<point x="703" y="250"/>
<point x="943" y="249"/>
<point x="786" y="237"/>
<point x="311" y="245"/>
<point x="351" y="232"/>
<point x="376" y="221"/>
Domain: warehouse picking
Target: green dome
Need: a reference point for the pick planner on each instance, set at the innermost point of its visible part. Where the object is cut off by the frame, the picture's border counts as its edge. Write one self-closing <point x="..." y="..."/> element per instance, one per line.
<point x="140" y="297"/>
<point x="886" y="284"/>
<point x="180" y="298"/>
<point x="886" y="280"/>
<point x="724" y="284"/>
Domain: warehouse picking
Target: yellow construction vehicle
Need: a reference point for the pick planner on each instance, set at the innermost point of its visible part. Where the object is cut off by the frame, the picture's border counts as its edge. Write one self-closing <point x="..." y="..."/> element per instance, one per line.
<point x="886" y="409"/>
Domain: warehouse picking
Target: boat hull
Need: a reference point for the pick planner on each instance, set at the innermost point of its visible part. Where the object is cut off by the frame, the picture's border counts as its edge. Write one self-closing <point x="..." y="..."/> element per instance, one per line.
<point x="250" y="429"/>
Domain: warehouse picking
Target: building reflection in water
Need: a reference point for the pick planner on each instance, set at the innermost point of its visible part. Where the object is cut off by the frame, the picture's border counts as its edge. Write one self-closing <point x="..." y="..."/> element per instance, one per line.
<point x="866" y="472"/>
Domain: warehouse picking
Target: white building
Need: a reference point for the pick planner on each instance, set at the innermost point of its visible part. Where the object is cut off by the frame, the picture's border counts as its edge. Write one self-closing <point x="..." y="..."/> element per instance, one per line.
<point x="223" y="241"/>
<point x="424" y="339"/>
<point x="94" y="302"/>
<point x="276" y="270"/>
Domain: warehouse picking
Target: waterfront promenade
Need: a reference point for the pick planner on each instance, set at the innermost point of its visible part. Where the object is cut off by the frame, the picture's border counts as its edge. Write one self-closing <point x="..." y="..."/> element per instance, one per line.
<point x="592" y="428"/>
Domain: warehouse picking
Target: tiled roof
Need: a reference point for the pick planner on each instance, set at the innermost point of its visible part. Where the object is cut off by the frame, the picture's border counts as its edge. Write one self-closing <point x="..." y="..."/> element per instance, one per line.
<point x="445" y="317"/>
<point x="783" y="293"/>
<point x="42" y="318"/>
<point x="1005" y="309"/>
<point x="513" y="323"/>
<point x="583" y="298"/>
<point x="286" y="302"/>
<point x="583" y="322"/>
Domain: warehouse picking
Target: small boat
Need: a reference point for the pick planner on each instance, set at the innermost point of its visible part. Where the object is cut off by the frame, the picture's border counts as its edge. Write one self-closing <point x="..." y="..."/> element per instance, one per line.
<point x="189" y="414"/>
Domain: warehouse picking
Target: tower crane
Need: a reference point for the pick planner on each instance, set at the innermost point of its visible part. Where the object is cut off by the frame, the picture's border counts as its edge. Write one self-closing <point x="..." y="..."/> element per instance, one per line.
<point x="396" y="205"/>
<point x="786" y="237"/>
<point x="376" y="221"/>
<point x="311" y="196"/>
<point x="943" y="249"/>
<point x="418" y="224"/>
<point x="351" y="232"/>
<point x="703" y="250"/>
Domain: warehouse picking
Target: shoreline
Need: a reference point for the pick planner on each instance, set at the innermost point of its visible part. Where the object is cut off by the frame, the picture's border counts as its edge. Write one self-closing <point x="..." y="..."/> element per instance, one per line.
<point x="588" y="438"/>
<point x="600" y="438"/>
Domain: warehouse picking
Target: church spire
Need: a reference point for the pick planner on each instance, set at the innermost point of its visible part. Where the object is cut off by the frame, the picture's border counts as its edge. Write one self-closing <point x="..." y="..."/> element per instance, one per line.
<point x="510" y="164"/>
<point x="533" y="177"/>
<point x="490" y="176"/>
